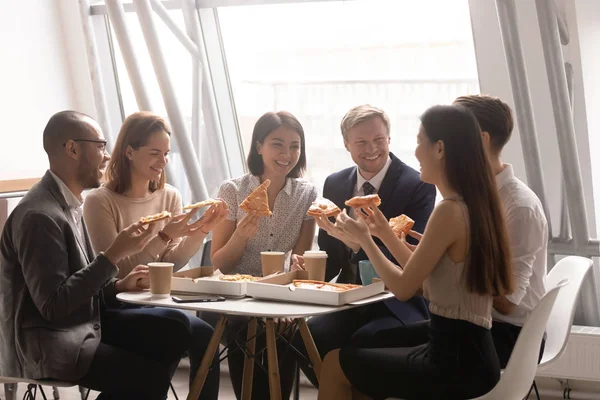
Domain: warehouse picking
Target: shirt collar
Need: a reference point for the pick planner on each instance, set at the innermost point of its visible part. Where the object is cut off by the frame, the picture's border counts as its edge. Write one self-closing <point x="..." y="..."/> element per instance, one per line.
<point x="505" y="176"/>
<point x="70" y="198"/>
<point x="377" y="180"/>
<point x="255" y="182"/>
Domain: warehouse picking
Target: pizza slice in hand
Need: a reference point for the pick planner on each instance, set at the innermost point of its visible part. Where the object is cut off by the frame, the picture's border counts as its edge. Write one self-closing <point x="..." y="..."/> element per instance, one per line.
<point x="258" y="200"/>
<point x="201" y="204"/>
<point x="323" y="207"/>
<point x="364" y="201"/>
<point x="155" y="217"/>
<point x="400" y="224"/>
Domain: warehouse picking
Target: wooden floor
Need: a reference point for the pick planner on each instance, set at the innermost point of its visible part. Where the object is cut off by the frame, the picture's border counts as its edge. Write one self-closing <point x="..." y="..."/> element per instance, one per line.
<point x="180" y="383"/>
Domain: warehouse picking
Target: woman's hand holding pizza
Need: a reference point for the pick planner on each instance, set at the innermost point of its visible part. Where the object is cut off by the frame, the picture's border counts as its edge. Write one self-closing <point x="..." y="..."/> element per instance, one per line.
<point x="375" y="220"/>
<point x="332" y="230"/>
<point x="356" y="229"/>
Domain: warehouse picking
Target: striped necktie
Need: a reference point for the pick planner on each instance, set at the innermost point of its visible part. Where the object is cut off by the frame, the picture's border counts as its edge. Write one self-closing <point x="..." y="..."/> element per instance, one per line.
<point x="368" y="188"/>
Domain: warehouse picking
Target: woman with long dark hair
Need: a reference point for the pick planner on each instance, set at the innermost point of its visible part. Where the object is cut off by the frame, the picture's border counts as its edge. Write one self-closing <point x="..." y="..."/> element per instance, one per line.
<point x="461" y="263"/>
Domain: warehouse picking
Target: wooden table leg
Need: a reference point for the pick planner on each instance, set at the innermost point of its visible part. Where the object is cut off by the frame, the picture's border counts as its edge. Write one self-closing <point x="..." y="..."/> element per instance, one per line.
<point x="311" y="348"/>
<point x="248" y="374"/>
<point x="274" y="382"/>
<point x="207" y="359"/>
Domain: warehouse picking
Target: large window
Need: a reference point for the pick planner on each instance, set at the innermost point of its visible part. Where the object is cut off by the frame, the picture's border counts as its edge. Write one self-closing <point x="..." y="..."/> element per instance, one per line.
<point x="317" y="60"/>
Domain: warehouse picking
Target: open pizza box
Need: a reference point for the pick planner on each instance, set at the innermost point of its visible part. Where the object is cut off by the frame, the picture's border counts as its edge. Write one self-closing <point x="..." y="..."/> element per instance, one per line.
<point x="280" y="287"/>
<point x="206" y="280"/>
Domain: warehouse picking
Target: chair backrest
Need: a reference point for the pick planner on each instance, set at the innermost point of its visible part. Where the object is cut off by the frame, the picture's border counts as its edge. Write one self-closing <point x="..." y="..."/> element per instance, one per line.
<point x="205" y="259"/>
<point x="522" y="365"/>
<point x="561" y="318"/>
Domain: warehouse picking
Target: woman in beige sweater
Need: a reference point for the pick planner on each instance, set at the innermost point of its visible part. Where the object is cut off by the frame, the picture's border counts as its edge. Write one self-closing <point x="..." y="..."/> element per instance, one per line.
<point x="136" y="188"/>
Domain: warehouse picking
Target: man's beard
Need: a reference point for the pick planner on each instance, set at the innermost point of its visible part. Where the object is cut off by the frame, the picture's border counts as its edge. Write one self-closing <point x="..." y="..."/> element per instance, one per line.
<point x="87" y="177"/>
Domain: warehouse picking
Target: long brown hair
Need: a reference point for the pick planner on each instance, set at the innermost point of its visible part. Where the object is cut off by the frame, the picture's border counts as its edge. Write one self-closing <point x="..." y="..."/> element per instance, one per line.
<point x="135" y="132"/>
<point x="487" y="268"/>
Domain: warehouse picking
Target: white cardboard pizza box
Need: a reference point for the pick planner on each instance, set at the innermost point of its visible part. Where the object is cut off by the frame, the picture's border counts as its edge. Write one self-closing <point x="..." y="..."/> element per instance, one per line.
<point x="204" y="280"/>
<point x="279" y="287"/>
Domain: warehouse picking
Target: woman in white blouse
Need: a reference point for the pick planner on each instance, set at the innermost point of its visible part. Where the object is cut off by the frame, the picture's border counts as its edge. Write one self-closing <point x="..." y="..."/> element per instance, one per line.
<point x="278" y="154"/>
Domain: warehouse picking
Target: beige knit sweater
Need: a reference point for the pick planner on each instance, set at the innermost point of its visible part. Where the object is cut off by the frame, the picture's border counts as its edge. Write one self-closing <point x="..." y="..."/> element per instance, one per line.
<point x="106" y="213"/>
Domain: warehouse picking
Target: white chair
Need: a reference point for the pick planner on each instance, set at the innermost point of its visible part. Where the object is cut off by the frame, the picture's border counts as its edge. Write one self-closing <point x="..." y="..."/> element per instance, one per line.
<point x="515" y="382"/>
<point x="561" y="318"/>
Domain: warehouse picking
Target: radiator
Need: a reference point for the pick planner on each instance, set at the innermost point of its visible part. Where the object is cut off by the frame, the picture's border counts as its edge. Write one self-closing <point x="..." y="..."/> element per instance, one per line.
<point x="581" y="359"/>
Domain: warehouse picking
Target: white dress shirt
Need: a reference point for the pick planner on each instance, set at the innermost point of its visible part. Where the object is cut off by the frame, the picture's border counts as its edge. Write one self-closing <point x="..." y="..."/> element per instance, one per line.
<point x="528" y="236"/>
<point x="74" y="203"/>
<point x="375" y="181"/>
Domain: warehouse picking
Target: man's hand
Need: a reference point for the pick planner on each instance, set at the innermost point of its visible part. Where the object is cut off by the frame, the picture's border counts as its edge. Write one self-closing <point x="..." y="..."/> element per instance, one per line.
<point x="130" y="240"/>
<point x="297" y="262"/>
<point x="137" y="279"/>
<point x="332" y="230"/>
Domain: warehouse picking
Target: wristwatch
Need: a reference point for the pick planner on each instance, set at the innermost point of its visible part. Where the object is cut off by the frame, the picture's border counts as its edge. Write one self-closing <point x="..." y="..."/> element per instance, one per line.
<point x="164" y="237"/>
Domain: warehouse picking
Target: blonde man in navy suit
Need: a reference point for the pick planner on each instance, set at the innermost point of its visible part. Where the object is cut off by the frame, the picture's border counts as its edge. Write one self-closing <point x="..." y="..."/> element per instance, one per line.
<point x="366" y="134"/>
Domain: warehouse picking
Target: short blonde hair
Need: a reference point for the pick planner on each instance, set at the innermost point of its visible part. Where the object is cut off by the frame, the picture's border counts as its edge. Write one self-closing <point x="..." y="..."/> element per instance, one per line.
<point x="362" y="113"/>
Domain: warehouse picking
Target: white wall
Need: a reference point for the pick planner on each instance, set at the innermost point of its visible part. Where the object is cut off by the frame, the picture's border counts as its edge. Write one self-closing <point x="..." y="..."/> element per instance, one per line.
<point x="43" y="70"/>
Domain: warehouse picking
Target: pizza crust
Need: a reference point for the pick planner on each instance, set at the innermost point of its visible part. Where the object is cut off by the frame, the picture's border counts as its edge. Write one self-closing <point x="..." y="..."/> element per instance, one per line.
<point x="320" y="285"/>
<point x="323" y="207"/>
<point x="364" y="201"/>
<point x="155" y="217"/>
<point x="238" y="278"/>
<point x="201" y="204"/>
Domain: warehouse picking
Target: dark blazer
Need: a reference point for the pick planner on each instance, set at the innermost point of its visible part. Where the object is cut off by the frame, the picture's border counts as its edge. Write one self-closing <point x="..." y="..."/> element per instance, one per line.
<point x="50" y="290"/>
<point x="401" y="192"/>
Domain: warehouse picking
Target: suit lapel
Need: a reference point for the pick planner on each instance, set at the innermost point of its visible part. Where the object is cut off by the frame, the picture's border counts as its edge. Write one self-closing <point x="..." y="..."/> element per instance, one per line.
<point x="348" y="189"/>
<point x="49" y="182"/>
<point x="388" y="185"/>
<point x="88" y="242"/>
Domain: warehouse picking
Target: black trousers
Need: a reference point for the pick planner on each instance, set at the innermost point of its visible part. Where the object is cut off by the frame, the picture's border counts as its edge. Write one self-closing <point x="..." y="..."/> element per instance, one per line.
<point x="505" y="337"/>
<point x="437" y="359"/>
<point x="357" y="327"/>
<point x="139" y="353"/>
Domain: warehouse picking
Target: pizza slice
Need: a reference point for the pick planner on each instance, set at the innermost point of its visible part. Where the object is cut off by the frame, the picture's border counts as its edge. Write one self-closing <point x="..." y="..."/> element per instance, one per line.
<point x="258" y="200"/>
<point x="325" y="207"/>
<point x="327" y="286"/>
<point x="238" y="278"/>
<point x="201" y="204"/>
<point x="364" y="201"/>
<point x="155" y="217"/>
<point x="400" y="224"/>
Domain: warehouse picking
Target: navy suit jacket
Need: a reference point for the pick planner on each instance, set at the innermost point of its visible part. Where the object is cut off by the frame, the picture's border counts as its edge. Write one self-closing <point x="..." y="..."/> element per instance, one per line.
<point x="401" y="192"/>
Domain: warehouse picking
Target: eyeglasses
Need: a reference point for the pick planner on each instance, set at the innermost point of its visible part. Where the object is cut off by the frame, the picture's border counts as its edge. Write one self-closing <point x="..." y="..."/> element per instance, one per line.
<point x="102" y="142"/>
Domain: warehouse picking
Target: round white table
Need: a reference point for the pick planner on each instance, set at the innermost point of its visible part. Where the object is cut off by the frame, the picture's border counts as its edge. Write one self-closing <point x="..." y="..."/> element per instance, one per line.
<point x="252" y="309"/>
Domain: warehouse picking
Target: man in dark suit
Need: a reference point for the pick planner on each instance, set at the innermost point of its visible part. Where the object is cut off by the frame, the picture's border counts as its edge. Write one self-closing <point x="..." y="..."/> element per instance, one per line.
<point x="366" y="133"/>
<point x="54" y="294"/>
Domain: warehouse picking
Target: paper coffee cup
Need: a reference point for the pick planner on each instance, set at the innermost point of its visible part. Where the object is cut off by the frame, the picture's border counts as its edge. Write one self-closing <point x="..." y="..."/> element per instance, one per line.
<point x="160" y="279"/>
<point x="315" y="263"/>
<point x="272" y="261"/>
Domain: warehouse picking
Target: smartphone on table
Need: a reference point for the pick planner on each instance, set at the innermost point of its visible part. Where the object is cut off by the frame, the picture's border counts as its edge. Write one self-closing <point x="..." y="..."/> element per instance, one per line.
<point x="196" y="298"/>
